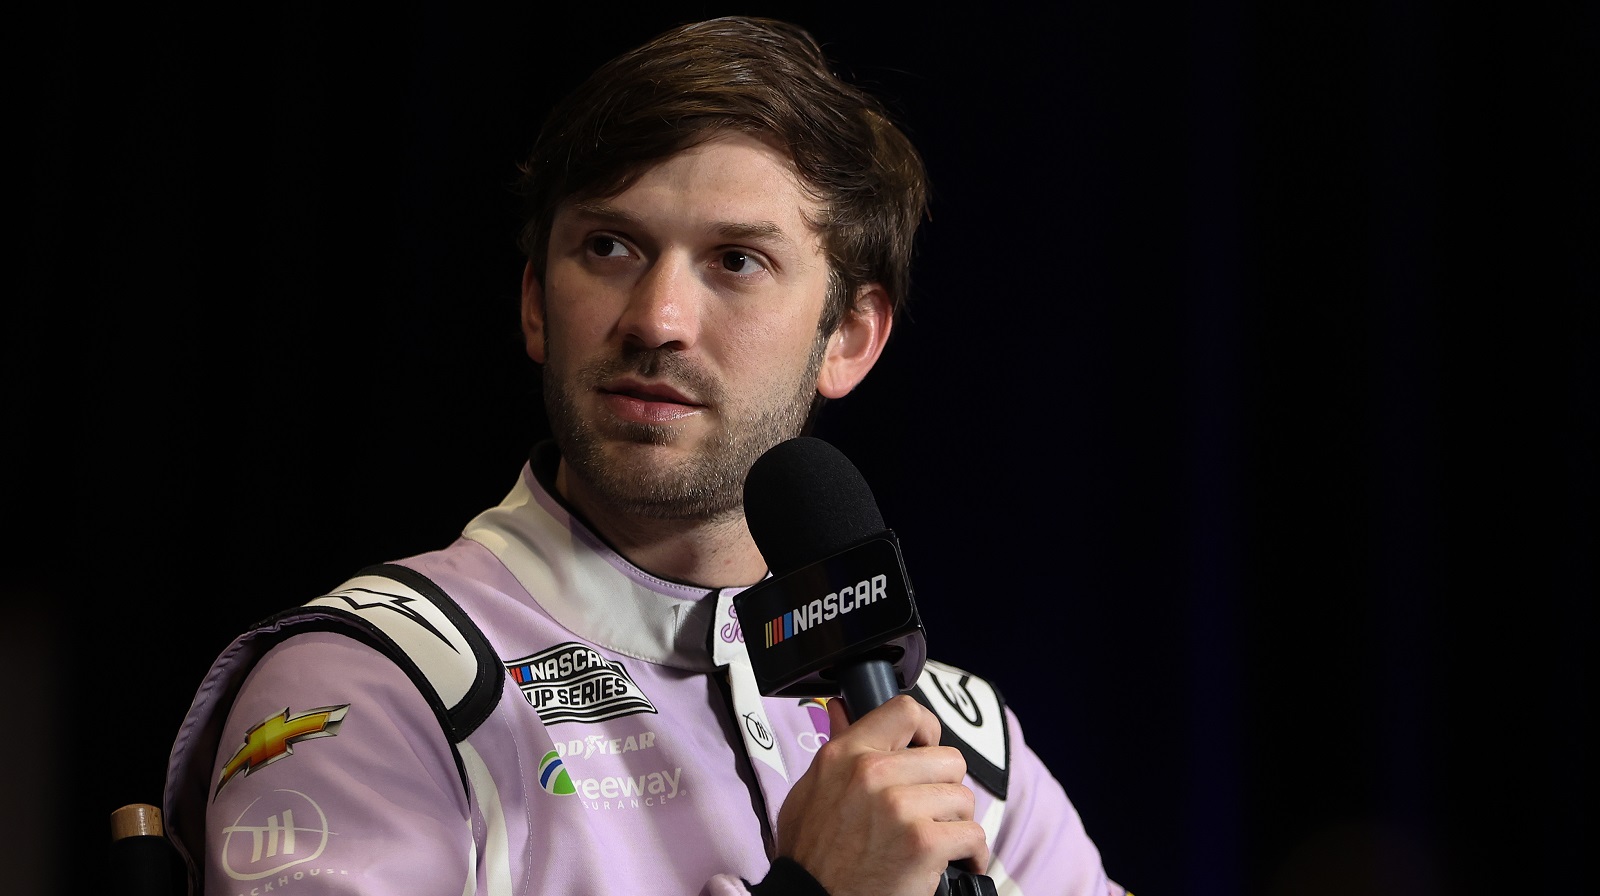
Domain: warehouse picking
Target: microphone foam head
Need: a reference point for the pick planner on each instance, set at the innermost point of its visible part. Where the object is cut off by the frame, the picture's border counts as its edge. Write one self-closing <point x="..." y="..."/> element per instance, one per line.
<point x="804" y="500"/>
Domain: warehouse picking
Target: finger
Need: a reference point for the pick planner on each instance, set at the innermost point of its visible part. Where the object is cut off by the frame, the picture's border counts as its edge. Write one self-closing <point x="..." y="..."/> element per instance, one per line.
<point x="951" y="843"/>
<point x="972" y="847"/>
<point x="929" y="730"/>
<point x="889" y="771"/>
<point x="838" y="717"/>
<point x="895" y="725"/>
<point x="940" y="801"/>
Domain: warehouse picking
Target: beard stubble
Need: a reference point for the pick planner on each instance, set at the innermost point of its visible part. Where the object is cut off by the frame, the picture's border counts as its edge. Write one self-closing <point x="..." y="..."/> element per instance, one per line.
<point x="707" y="484"/>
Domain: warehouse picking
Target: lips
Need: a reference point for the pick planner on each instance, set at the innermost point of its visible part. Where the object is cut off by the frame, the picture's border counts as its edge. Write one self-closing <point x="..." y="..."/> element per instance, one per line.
<point x="649" y="392"/>
<point x="633" y="401"/>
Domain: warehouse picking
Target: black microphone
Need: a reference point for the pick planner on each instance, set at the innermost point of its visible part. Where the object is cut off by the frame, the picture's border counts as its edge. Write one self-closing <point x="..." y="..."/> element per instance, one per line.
<point x="837" y="616"/>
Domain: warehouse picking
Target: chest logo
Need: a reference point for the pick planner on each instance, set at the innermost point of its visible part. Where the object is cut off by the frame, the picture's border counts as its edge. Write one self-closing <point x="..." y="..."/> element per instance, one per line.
<point x="572" y="682"/>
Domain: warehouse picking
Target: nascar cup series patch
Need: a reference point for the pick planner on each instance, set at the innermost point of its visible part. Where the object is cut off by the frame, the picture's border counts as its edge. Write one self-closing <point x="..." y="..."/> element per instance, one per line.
<point x="573" y="682"/>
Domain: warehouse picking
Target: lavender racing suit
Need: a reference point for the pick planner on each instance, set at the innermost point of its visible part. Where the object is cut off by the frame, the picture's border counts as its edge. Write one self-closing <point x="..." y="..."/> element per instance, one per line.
<point x="526" y="712"/>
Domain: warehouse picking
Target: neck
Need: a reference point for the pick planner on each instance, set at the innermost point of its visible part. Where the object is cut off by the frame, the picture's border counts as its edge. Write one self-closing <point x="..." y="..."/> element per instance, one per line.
<point x="709" y="552"/>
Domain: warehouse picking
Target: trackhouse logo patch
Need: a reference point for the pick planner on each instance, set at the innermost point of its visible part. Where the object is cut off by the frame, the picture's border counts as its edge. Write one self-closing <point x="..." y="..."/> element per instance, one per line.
<point x="275" y="838"/>
<point x="572" y="682"/>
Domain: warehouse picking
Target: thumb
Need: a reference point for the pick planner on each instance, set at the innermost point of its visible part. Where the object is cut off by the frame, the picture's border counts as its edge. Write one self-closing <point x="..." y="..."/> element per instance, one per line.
<point x="838" y="717"/>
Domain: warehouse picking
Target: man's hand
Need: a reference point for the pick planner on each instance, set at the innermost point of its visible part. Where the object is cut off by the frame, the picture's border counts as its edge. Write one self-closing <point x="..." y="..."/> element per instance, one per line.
<point x="882" y="810"/>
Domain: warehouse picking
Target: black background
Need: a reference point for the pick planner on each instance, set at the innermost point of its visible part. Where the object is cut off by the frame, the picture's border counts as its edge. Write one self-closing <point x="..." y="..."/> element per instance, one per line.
<point x="1243" y="426"/>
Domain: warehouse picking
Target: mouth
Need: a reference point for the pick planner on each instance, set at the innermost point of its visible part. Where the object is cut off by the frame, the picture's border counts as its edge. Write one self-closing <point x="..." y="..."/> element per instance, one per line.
<point x="638" y="401"/>
<point x="648" y="392"/>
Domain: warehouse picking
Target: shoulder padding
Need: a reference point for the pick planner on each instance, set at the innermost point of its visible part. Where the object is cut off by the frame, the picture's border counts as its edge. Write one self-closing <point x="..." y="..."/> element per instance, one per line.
<point x="394" y="609"/>
<point x="972" y="715"/>
<point x="428" y="634"/>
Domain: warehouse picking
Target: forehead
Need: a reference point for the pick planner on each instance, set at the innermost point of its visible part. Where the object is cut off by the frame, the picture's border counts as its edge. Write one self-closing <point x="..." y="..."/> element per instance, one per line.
<point x="728" y="181"/>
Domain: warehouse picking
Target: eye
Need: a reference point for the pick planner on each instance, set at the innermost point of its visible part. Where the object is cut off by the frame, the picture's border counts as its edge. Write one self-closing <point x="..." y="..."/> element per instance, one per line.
<point x="607" y="247"/>
<point x="740" y="262"/>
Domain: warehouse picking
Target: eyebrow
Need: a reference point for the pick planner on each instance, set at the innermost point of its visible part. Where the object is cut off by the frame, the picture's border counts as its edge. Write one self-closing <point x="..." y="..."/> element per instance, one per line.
<point x="733" y="230"/>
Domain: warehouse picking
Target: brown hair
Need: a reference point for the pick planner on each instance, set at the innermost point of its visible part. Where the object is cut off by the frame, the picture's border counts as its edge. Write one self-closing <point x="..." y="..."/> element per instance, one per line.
<point x="753" y="75"/>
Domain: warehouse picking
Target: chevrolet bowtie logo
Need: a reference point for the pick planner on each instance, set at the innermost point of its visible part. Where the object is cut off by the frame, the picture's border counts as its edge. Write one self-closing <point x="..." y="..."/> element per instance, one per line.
<point x="273" y="738"/>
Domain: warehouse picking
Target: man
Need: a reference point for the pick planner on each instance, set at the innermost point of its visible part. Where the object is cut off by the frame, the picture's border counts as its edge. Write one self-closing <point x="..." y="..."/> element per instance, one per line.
<point x="718" y="237"/>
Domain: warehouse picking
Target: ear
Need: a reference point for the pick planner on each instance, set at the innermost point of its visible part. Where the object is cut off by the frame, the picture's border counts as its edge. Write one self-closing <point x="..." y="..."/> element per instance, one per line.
<point x="857" y="344"/>
<point x="532" y="314"/>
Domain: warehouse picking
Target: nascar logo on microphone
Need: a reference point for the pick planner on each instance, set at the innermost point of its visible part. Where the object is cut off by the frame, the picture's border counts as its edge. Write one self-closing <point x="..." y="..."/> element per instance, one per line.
<point x="829" y="606"/>
<point x="857" y="600"/>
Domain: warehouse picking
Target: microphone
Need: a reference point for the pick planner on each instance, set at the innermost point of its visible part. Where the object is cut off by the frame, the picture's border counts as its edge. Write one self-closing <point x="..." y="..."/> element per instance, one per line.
<point x="837" y="617"/>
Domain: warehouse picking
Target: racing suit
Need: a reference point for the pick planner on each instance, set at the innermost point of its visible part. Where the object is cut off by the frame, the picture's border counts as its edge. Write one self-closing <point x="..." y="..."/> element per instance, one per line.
<point x="526" y="712"/>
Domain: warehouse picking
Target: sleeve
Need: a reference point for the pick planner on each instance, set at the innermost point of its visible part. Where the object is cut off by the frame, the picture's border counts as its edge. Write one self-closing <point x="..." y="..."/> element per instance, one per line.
<point x="332" y="770"/>
<point x="786" y="878"/>
<point x="1042" y="848"/>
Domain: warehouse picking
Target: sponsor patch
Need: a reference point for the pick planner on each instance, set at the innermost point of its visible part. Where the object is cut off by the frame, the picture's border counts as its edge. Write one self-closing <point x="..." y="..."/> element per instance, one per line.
<point x="572" y="682"/>
<point x="553" y="775"/>
<point x="274" y="738"/>
<point x="595" y="744"/>
<point x="817" y="709"/>
<point x="278" y="835"/>
<point x="755" y="725"/>
<point x="647" y="791"/>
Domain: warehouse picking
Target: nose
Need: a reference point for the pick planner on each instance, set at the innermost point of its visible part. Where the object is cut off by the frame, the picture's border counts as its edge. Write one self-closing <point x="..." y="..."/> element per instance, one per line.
<point x="663" y="306"/>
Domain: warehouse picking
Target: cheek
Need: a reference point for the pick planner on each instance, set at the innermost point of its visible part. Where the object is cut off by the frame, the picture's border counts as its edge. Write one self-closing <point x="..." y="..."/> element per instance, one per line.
<point x="768" y="346"/>
<point x="772" y="357"/>
<point x="574" y="319"/>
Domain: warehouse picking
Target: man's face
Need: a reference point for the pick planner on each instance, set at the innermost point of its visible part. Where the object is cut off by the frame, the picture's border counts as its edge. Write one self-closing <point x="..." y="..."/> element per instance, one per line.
<point x="678" y="329"/>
